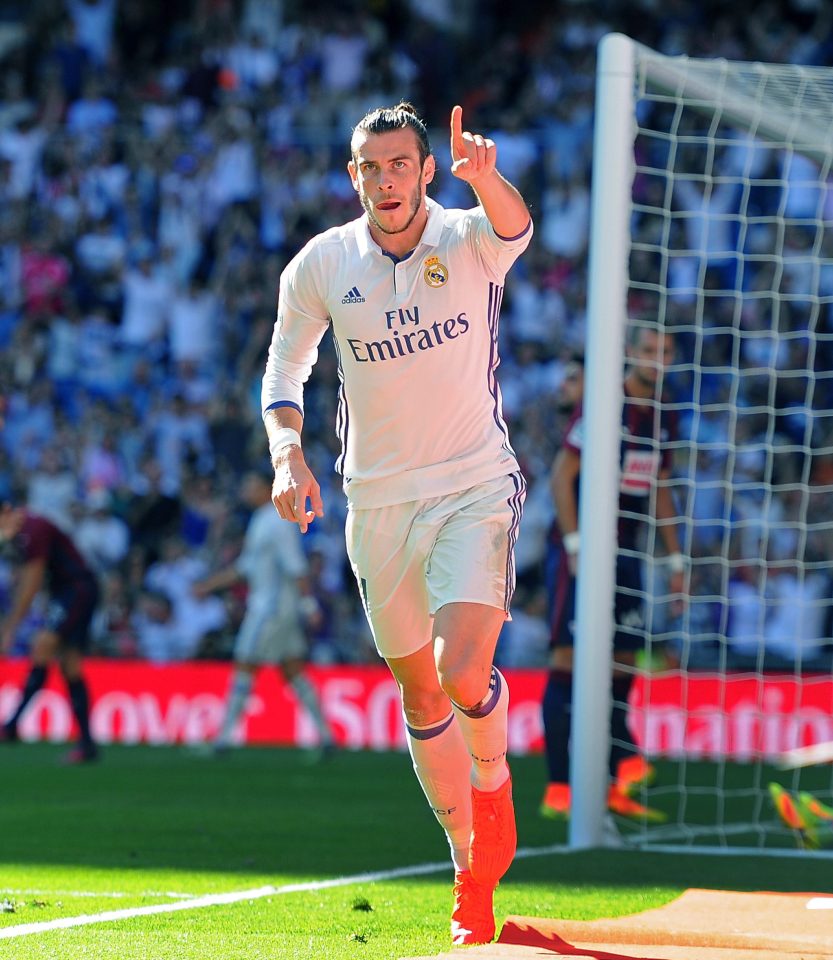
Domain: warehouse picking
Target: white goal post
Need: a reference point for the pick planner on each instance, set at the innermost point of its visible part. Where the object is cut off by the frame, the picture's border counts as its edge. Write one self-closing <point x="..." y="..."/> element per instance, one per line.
<point x="712" y="216"/>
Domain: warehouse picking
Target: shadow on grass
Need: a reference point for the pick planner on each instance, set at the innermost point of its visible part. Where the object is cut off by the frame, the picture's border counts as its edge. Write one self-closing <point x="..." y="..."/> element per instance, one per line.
<point x="251" y="811"/>
<point x="262" y="812"/>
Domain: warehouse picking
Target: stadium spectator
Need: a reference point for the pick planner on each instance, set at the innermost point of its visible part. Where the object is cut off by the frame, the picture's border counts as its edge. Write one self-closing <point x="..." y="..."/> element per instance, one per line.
<point x="70" y="59"/>
<point x="135" y="132"/>
<point x="113" y="632"/>
<point x="100" y="465"/>
<point x="153" y="510"/>
<point x="193" y="324"/>
<point x="102" y="537"/>
<point x="795" y="598"/>
<point x="94" y="22"/>
<point x="191" y="617"/>
<point x="746" y="609"/>
<point x="22" y="146"/>
<point x="204" y="511"/>
<point x="161" y="635"/>
<point x="93" y="114"/>
<point x="147" y="294"/>
<point x="53" y="488"/>
<point x="181" y="439"/>
<point x="43" y="272"/>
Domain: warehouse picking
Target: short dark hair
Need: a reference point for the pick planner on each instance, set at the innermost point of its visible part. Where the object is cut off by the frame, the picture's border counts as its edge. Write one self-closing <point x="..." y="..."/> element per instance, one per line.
<point x="17" y="493"/>
<point x="387" y="119"/>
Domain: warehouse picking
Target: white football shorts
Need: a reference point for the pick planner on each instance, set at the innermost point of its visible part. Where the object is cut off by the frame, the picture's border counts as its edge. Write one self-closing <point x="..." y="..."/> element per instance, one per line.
<point x="266" y="637"/>
<point x="410" y="559"/>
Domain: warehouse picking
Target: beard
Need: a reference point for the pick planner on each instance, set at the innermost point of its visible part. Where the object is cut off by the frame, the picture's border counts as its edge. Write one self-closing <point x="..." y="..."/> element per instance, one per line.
<point x="647" y="377"/>
<point x="416" y="199"/>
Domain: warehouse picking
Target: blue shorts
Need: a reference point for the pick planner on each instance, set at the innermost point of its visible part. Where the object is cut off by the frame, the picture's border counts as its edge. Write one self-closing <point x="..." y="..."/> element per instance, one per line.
<point x="627" y="611"/>
<point x="69" y="613"/>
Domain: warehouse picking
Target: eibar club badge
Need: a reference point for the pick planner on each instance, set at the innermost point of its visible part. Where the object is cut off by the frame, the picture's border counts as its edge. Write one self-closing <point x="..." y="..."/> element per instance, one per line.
<point x="436" y="273"/>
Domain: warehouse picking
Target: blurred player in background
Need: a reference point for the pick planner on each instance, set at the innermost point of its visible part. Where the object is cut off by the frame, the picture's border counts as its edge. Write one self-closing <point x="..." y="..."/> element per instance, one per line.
<point x="567" y="401"/>
<point x="644" y="468"/>
<point x="273" y="565"/>
<point x="48" y="560"/>
<point x="435" y="494"/>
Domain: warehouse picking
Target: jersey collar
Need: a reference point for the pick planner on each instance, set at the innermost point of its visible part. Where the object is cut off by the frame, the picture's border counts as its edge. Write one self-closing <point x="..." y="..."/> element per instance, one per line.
<point x="430" y="235"/>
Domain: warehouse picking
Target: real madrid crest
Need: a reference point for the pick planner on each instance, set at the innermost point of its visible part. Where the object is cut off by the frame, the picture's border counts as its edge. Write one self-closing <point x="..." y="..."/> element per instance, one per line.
<point x="436" y="273"/>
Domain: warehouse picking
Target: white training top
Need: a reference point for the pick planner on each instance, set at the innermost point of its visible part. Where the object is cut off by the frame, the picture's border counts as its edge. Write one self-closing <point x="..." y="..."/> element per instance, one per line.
<point x="271" y="560"/>
<point x="419" y="405"/>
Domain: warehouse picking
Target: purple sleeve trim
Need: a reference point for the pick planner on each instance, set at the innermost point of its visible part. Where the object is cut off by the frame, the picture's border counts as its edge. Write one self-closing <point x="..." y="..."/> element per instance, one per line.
<point x="284" y="403"/>
<point x="518" y="237"/>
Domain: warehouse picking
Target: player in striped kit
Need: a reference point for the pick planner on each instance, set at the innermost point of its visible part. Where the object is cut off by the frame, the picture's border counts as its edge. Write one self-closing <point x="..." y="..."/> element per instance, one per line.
<point x="49" y="562"/>
<point x="435" y="495"/>
<point x="648" y="429"/>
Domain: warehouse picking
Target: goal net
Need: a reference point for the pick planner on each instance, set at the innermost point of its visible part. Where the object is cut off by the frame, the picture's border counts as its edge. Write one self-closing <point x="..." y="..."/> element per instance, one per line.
<point x="712" y="217"/>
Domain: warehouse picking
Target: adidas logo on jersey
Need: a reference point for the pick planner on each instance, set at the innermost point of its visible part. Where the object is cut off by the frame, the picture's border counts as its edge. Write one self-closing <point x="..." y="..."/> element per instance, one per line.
<point x="352" y="296"/>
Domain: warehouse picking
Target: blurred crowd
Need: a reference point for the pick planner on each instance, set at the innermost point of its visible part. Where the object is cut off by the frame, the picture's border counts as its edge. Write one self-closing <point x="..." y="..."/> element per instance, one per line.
<point x="159" y="165"/>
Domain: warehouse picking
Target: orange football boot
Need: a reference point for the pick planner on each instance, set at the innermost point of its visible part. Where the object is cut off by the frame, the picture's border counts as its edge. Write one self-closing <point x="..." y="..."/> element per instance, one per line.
<point x="473" y="916"/>
<point x="494" y="836"/>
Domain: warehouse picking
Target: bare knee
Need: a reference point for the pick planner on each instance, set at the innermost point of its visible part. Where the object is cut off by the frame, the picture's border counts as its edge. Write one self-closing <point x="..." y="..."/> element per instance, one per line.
<point x="561" y="658"/>
<point x="465" y="637"/>
<point x="464" y="679"/>
<point x="70" y="665"/>
<point x="423" y="704"/>
<point x="44" y="648"/>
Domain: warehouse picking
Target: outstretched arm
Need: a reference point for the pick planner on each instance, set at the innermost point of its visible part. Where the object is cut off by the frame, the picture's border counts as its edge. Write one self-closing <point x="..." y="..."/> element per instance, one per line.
<point x="221" y="580"/>
<point x="473" y="159"/>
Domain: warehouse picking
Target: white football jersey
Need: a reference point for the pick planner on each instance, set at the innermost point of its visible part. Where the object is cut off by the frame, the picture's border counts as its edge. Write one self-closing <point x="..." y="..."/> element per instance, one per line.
<point x="419" y="404"/>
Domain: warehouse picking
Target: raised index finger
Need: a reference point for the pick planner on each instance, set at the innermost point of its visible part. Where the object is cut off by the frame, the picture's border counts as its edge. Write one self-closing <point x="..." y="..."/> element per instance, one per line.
<point x="457" y="146"/>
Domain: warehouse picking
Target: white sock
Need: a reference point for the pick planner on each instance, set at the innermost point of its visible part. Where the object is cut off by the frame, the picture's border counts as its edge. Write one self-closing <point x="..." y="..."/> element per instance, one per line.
<point x="241" y="687"/>
<point x="305" y="692"/>
<point x="484" y="729"/>
<point x="442" y="764"/>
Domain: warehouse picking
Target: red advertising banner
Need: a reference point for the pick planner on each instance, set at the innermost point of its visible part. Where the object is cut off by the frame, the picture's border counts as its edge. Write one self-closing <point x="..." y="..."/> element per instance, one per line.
<point x="139" y="702"/>
<point x="699" y="715"/>
<point x="739" y="716"/>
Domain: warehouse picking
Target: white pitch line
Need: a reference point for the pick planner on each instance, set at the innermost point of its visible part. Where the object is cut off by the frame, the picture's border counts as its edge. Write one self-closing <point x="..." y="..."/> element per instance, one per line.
<point x="96" y="894"/>
<point x="237" y="896"/>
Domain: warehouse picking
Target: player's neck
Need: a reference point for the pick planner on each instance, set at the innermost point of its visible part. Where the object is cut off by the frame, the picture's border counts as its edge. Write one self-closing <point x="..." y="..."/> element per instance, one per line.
<point x="400" y="244"/>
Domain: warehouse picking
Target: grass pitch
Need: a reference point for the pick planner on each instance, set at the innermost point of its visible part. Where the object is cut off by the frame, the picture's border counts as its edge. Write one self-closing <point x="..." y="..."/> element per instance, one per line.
<point x="159" y="826"/>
